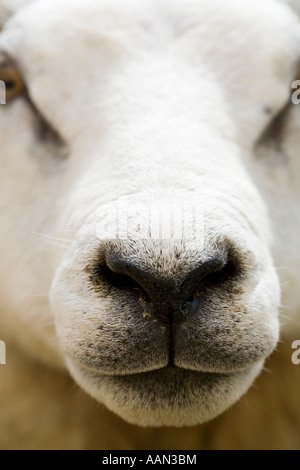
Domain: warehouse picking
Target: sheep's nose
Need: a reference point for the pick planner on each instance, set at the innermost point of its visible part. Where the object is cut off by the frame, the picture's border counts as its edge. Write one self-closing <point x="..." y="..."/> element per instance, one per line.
<point x="166" y="298"/>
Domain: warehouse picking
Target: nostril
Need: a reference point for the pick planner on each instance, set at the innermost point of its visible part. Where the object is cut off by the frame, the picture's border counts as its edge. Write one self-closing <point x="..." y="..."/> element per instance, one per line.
<point x="222" y="269"/>
<point x="229" y="272"/>
<point x="117" y="280"/>
<point x="208" y="271"/>
<point x="165" y="297"/>
<point x="207" y="268"/>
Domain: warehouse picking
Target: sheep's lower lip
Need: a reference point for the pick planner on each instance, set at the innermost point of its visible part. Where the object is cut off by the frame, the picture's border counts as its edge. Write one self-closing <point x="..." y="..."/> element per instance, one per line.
<point x="163" y="375"/>
<point x="166" y="374"/>
<point x="168" y="370"/>
<point x="168" y="396"/>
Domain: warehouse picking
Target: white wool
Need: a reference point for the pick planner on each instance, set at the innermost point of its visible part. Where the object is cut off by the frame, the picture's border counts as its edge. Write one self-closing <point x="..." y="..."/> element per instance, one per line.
<point x="158" y="102"/>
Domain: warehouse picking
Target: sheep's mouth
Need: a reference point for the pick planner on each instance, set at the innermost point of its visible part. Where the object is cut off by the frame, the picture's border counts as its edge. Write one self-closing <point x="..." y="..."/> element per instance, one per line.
<point x="168" y="370"/>
<point x="165" y="377"/>
<point x="163" y="374"/>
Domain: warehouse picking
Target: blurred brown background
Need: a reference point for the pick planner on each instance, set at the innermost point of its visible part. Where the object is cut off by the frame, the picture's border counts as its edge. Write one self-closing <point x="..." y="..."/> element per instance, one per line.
<point x="44" y="409"/>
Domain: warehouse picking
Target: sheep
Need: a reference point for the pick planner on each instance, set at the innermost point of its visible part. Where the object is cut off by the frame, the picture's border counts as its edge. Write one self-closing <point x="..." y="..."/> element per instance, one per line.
<point x="149" y="209"/>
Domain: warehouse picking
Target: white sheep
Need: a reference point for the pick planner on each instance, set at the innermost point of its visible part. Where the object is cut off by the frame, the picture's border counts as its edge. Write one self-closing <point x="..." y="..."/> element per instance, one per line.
<point x="181" y="106"/>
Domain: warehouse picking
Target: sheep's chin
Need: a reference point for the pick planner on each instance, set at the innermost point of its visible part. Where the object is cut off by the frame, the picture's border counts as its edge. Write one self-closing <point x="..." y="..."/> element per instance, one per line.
<point x="166" y="397"/>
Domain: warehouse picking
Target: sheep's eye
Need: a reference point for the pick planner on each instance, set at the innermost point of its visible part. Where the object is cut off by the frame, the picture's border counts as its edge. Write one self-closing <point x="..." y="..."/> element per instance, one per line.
<point x="12" y="79"/>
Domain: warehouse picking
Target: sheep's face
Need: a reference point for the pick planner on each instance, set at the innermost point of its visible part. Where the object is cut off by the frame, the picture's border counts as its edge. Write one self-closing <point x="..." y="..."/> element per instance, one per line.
<point x="126" y="193"/>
